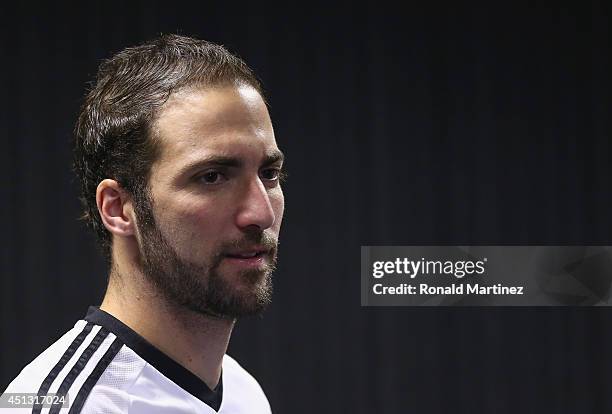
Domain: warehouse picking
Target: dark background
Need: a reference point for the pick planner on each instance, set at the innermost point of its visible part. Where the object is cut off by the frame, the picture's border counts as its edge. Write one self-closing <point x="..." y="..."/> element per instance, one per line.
<point x="445" y="125"/>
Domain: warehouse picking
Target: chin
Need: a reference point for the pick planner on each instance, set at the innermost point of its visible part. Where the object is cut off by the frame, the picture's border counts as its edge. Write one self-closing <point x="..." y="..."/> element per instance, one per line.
<point x="239" y="295"/>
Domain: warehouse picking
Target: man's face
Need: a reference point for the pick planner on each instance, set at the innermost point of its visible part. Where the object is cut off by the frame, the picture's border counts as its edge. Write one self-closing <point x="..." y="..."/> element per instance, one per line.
<point x="209" y="226"/>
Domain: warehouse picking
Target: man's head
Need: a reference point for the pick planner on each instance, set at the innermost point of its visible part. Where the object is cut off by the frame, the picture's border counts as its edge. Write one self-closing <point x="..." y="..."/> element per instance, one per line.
<point x="176" y="153"/>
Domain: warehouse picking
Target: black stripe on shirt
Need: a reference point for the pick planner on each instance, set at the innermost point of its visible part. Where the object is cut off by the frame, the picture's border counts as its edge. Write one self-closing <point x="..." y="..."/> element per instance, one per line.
<point x="46" y="384"/>
<point x="171" y="369"/>
<point x="79" y="366"/>
<point x="93" y="378"/>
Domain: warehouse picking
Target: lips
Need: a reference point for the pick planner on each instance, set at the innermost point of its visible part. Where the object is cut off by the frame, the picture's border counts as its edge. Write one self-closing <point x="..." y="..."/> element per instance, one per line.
<point x="248" y="259"/>
<point x="249" y="253"/>
<point x="246" y="255"/>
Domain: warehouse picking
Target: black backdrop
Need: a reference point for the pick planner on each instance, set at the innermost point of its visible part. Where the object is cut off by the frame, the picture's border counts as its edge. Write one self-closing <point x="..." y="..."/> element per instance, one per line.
<point x="446" y="125"/>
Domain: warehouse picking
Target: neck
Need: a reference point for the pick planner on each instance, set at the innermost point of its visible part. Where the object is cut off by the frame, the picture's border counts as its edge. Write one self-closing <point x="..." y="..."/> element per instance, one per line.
<point x="197" y="342"/>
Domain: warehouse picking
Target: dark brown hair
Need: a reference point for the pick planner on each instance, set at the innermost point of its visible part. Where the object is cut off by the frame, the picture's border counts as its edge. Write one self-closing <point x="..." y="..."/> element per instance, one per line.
<point x="113" y="134"/>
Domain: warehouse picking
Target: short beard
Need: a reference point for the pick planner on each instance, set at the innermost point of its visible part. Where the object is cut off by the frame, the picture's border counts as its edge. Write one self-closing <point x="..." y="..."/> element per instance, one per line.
<point x="200" y="287"/>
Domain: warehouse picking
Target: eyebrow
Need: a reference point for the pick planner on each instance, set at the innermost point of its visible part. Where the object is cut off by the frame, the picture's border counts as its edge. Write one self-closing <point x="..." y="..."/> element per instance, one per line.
<point x="272" y="157"/>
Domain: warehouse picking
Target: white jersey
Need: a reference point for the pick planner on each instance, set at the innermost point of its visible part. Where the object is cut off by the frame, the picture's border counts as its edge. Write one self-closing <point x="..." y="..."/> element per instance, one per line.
<point x="103" y="366"/>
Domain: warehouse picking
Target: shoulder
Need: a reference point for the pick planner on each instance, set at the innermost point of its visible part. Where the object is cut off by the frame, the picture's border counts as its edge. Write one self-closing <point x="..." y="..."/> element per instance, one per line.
<point x="241" y="391"/>
<point x="33" y="375"/>
<point x="88" y="364"/>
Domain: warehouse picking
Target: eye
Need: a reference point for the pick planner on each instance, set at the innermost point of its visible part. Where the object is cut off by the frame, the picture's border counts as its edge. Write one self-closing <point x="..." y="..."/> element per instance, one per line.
<point x="271" y="174"/>
<point x="211" y="177"/>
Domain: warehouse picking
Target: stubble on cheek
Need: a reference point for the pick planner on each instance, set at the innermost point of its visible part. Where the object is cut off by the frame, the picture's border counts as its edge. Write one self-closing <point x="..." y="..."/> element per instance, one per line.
<point x="189" y="272"/>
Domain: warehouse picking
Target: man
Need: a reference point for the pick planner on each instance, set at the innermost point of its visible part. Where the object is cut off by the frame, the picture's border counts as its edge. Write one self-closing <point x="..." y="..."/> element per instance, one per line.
<point x="180" y="176"/>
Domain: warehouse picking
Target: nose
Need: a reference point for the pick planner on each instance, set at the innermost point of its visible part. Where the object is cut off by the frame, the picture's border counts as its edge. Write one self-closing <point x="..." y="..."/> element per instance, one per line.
<point x="255" y="208"/>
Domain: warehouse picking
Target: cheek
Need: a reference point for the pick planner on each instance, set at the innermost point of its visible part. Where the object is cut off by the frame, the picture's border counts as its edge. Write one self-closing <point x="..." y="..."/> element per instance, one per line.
<point x="206" y="220"/>
<point x="191" y="222"/>
<point x="198" y="232"/>
<point x="278" y="205"/>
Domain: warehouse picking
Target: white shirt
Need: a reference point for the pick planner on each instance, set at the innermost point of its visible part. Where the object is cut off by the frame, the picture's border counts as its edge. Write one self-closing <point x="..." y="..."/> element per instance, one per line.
<point x="103" y="366"/>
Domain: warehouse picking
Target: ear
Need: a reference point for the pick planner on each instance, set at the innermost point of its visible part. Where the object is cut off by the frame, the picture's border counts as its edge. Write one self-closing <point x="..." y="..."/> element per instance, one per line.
<point x="115" y="207"/>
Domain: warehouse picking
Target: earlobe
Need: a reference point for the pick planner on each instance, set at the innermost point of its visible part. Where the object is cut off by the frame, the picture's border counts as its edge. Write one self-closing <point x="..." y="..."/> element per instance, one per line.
<point x="114" y="206"/>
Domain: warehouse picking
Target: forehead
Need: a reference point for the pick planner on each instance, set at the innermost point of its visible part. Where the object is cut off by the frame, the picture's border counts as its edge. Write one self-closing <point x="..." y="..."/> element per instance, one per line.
<point x="226" y="119"/>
